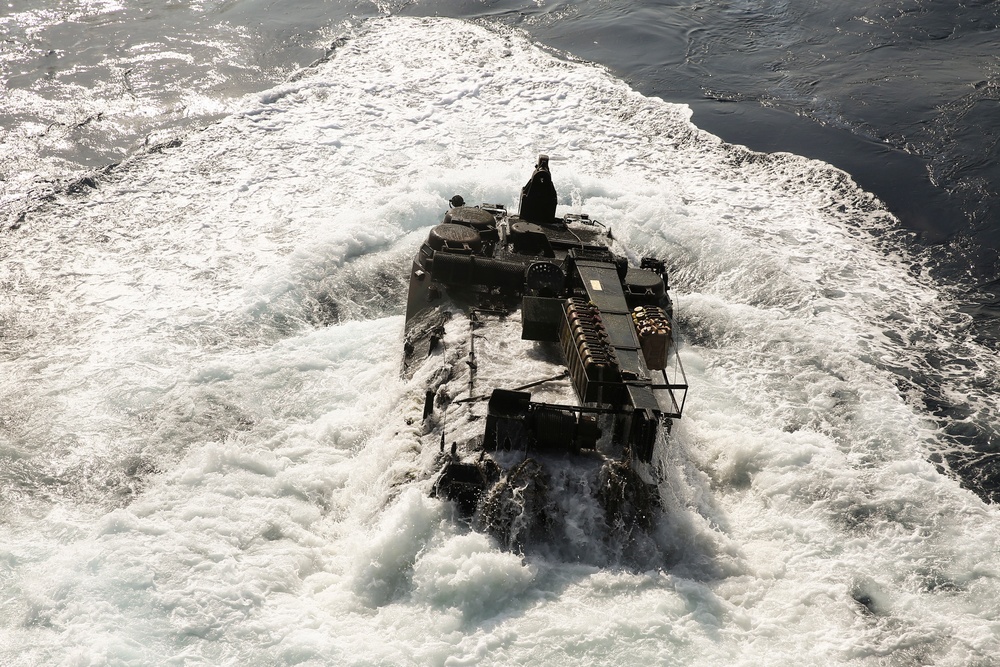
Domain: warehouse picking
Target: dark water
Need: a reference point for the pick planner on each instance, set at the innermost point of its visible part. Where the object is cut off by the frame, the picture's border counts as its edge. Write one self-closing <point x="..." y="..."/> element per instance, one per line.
<point x="902" y="95"/>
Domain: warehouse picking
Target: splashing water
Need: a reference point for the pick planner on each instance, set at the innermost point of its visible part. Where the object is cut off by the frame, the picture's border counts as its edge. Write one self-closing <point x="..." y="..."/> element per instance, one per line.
<point x="207" y="462"/>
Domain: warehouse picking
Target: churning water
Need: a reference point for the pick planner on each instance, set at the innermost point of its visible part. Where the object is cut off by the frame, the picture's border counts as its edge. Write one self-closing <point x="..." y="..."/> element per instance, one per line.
<point x="205" y="451"/>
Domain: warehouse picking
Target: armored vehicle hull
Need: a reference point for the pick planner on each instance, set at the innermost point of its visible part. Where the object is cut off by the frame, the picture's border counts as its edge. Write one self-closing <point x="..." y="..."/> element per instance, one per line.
<point x="550" y="367"/>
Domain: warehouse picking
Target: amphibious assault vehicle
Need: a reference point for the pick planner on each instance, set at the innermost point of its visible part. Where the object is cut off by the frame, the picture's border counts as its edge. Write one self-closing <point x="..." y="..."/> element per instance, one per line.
<point x="550" y="365"/>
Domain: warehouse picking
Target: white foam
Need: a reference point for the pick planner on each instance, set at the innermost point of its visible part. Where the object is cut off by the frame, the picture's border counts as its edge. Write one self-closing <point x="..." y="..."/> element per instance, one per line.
<point x="278" y="512"/>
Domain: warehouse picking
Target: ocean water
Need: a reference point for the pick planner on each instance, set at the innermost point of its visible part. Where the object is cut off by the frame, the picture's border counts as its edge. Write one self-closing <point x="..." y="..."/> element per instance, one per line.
<point x="205" y="454"/>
